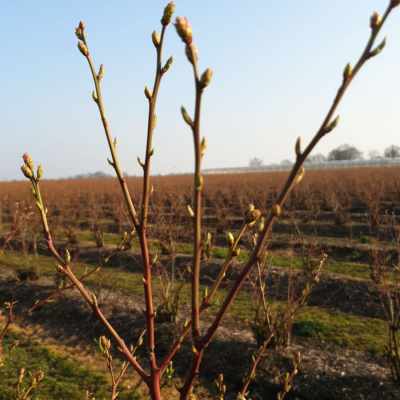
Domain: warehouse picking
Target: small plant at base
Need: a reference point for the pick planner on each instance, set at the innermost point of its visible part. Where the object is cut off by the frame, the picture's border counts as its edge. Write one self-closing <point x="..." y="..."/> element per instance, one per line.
<point x="387" y="281"/>
<point x="169" y="373"/>
<point x="24" y="387"/>
<point x="9" y="307"/>
<point x="221" y="387"/>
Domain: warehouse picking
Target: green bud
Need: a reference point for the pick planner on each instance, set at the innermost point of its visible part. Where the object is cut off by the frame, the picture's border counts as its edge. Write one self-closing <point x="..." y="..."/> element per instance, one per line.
<point x="27" y="172"/>
<point x="167" y="65"/>
<point x="39" y="173"/>
<point x="378" y="48"/>
<point x="347" y="72"/>
<point x="186" y="117"/>
<point x="332" y="125"/>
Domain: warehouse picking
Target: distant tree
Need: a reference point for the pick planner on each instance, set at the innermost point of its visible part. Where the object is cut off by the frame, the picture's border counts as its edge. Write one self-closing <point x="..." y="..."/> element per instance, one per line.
<point x="392" y="152"/>
<point x="286" y="162"/>
<point x="344" y="152"/>
<point x="374" y="155"/>
<point x="256" y="162"/>
<point x="316" y="159"/>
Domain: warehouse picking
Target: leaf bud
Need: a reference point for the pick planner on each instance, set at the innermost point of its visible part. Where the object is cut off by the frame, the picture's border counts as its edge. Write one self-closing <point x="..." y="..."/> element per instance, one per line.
<point x="252" y="214"/>
<point x="27" y="172"/>
<point x="231" y="239"/>
<point x="104" y="344"/>
<point x="184" y="30"/>
<point x="28" y="161"/>
<point x="39" y="173"/>
<point x="140" y="162"/>
<point x="190" y="210"/>
<point x="186" y="117"/>
<point x="203" y="146"/>
<point x="192" y="53"/>
<point x="83" y="49"/>
<point x="276" y="210"/>
<point x="206" y="77"/>
<point x="168" y="11"/>
<point x="332" y="125"/>
<point x="147" y="93"/>
<point x="100" y="74"/>
<point x="378" y="48"/>
<point x="375" y="21"/>
<point x="300" y="176"/>
<point x="236" y="252"/>
<point x="79" y="31"/>
<point x="167" y="65"/>
<point x="261" y="225"/>
<point x="347" y="72"/>
<point x="155" y="37"/>
<point x="199" y="182"/>
<point x="67" y="256"/>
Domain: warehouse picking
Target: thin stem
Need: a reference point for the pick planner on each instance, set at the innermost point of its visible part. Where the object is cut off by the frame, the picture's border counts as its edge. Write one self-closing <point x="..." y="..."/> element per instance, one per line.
<point x="144" y="245"/>
<point x="197" y="196"/>
<point x="64" y="267"/>
<point x="252" y="372"/>
<point x="291" y="181"/>
<point x="61" y="290"/>
<point x="111" y="142"/>
<point x="207" y="300"/>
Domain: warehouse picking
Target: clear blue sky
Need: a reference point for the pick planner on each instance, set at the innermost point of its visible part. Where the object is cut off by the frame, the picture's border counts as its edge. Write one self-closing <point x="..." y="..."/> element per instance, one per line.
<point x="276" y="65"/>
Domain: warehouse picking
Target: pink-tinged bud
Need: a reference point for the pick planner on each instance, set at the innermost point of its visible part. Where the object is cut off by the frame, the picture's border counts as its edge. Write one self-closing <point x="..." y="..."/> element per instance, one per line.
<point x="83" y="49"/>
<point x="168" y="11"/>
<point x="184" y="30"/>
<point x="192" y="53"/>
<point x="375" y="21"/>
<point x="79" y="31"/>
<point x="28" y="161"/>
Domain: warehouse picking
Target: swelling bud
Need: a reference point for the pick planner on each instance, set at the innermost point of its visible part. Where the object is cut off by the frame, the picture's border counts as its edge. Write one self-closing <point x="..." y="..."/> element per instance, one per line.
<point x="206" y="77"/>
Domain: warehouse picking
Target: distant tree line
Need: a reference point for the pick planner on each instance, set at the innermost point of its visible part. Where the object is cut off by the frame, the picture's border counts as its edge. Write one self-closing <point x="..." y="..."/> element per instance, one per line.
<point x="344" y="152"/>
